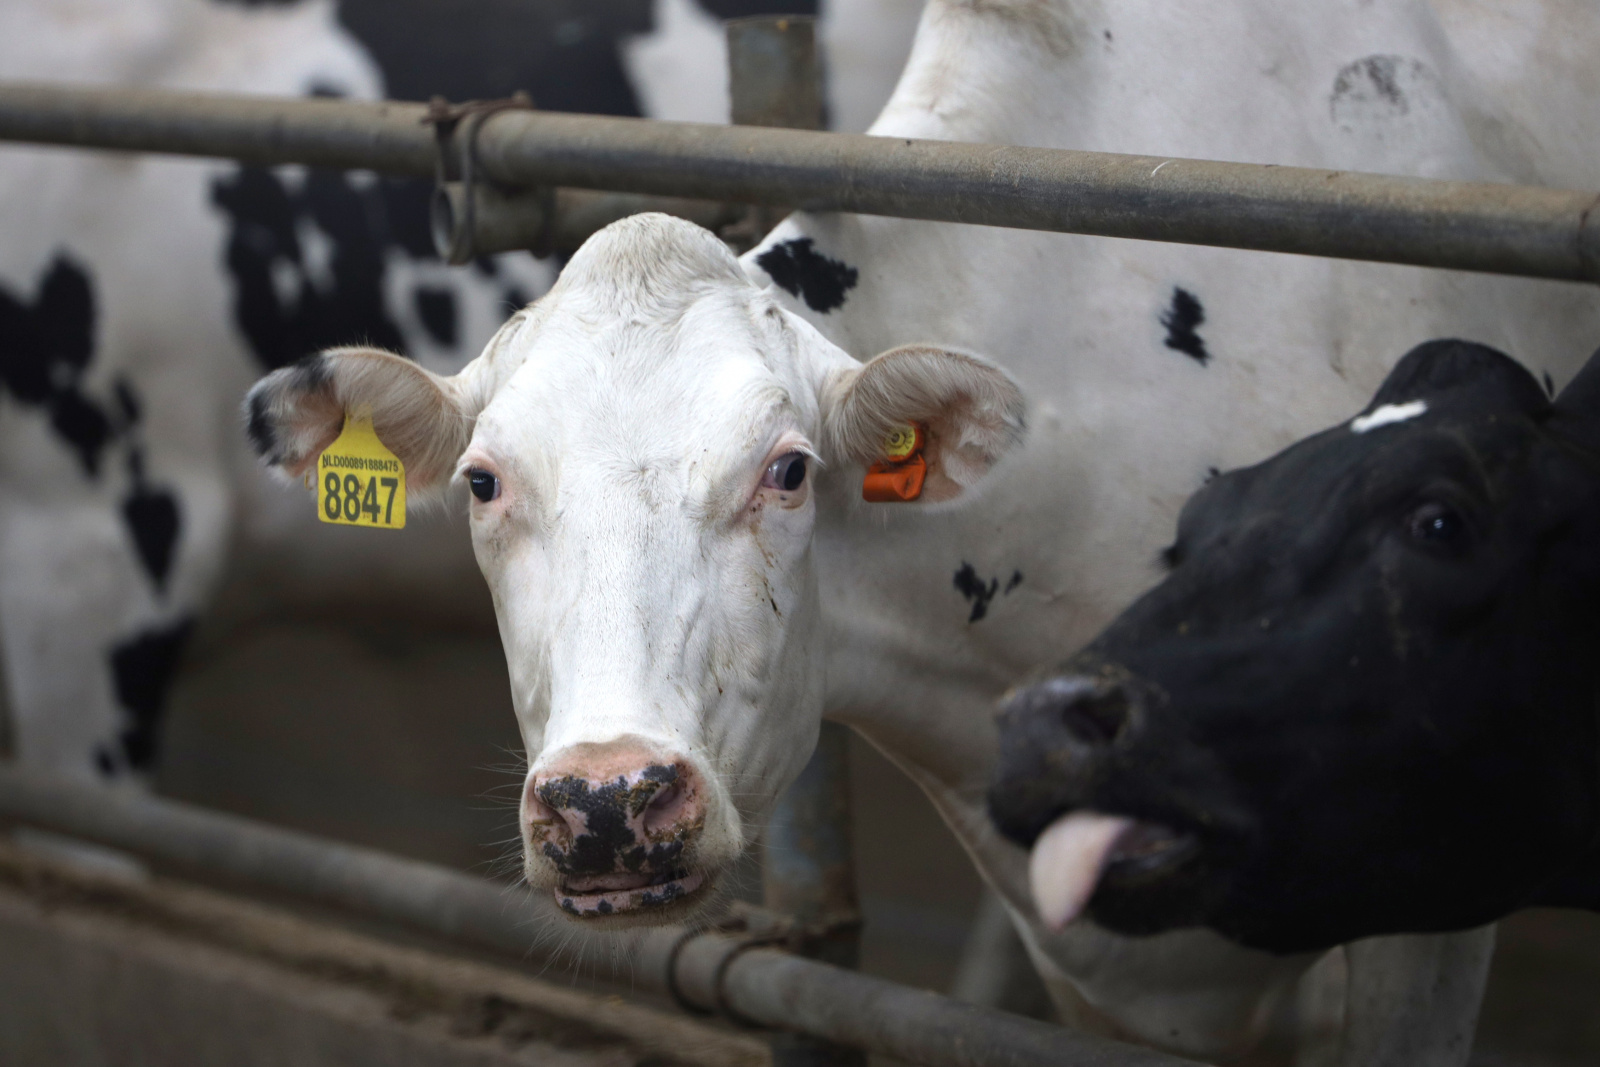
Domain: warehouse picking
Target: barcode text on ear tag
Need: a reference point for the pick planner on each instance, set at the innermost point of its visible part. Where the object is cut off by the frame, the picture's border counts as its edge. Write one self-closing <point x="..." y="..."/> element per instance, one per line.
<point x="359" y="481"/>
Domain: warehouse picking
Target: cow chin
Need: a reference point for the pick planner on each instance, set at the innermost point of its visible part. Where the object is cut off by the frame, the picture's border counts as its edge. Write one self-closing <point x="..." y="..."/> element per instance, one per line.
<point x="621" y="899"/>
<point x="672" y="898"/>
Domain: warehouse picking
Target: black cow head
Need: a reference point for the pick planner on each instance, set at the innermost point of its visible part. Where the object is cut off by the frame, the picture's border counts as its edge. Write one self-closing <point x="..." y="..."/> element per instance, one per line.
<point x="1364" y="699"/>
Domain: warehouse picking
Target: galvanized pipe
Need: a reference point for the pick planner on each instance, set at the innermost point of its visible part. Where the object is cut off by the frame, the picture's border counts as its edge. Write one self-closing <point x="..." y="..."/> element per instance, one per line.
<point x="713" y="971"/>
<point x="1547" y="233"/>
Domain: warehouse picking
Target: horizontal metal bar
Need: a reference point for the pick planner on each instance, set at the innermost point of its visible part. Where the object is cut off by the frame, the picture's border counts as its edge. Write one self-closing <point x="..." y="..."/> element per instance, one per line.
<point x="1507" y="229"/>
<point x="761" y="985"/>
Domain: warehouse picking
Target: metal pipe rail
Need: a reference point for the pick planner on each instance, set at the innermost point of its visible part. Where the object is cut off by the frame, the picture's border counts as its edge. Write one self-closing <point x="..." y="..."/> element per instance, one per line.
<point x="1506" y="229"/>
<point x="712" y="971"/>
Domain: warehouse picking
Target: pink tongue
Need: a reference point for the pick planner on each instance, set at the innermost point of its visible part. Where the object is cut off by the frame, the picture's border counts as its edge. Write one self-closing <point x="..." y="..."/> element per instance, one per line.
<point x="1067" y="861"/>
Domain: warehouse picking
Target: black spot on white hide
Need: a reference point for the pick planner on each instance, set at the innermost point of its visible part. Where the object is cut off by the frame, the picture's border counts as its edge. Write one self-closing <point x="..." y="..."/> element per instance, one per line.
<point x="799" y="268"/>
<point x="1182" y="319"/>
<point x="142" y="670"/>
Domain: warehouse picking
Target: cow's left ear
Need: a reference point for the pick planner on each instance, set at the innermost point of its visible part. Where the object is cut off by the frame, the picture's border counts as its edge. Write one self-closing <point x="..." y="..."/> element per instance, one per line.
<point x="970" y="409"/>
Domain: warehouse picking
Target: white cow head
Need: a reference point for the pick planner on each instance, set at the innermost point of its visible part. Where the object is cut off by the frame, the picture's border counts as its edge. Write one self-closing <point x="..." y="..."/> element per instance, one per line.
<point x="640" y="445"/>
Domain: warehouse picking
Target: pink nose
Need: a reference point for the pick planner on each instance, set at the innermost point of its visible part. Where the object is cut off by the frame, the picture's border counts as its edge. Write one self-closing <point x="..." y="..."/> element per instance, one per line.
<point x="601" y="810"/>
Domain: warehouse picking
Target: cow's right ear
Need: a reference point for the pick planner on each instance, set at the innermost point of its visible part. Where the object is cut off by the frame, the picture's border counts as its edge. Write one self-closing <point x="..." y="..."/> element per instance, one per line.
<point x="294" y="413"/>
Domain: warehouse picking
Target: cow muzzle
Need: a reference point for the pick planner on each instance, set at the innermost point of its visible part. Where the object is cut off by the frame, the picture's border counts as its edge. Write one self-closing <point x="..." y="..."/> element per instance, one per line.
<point x="618" y="827"/>
<point x="1061" y="739"/>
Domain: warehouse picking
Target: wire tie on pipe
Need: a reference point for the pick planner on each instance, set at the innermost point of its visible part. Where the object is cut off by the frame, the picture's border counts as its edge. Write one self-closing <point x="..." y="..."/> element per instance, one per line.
<point x="445" y="117"/>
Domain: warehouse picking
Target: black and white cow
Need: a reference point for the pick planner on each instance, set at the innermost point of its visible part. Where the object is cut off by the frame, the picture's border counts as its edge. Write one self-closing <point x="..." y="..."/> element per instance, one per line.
<point x="1366" y="698"/>
<point x="139" y="296"/>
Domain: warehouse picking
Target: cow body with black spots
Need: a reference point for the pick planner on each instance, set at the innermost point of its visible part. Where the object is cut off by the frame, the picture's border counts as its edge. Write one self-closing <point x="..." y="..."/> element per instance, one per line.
<point x="668" y="611"/>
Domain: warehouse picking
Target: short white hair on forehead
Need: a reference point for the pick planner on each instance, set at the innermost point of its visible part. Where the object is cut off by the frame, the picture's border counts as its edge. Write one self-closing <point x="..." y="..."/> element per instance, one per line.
<point x="656" y="262"/>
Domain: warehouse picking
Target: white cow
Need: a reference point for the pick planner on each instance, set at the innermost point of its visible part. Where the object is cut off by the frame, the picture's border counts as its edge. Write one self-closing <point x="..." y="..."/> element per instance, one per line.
<point x="666" y="456"/>
<point x="140" y="296"/>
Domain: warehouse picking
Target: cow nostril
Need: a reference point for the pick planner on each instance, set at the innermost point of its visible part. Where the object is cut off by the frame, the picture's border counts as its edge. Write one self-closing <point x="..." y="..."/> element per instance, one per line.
<point x="665" y="808"/>
<point x="542" y="815"/>
<point x="1095" y="716"/>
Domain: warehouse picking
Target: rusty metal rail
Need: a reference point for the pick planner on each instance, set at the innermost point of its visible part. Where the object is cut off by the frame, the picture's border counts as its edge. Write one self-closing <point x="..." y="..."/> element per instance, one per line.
<point x="1546" y="233"/>
<point x="711" y="971"/>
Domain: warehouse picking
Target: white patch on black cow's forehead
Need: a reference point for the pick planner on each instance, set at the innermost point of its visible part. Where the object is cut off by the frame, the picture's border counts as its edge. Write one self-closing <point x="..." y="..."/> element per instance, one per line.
<point x="1388" y="413"/>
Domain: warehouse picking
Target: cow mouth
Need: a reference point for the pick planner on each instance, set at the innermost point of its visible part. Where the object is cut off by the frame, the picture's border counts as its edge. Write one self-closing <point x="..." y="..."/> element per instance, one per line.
<point x="1084" y="850"/>
<point x="626" y="892"/>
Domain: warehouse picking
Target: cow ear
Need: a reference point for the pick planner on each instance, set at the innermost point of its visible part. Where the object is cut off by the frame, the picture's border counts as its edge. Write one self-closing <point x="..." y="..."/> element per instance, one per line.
<point x="1577" y="411"/>
<point x="1436" y="368"/>
<point x="971" y="411"/>
<point x="294" y="413"/>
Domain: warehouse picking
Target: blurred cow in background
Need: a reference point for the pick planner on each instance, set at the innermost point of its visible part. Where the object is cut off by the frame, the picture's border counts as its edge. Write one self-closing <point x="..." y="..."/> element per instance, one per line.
<point x="139" y="296"/>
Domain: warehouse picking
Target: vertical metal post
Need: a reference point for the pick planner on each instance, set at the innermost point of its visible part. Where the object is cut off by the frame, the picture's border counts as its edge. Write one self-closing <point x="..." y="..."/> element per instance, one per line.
<point x="774" y="79"/>
<point x="810" y="875"/>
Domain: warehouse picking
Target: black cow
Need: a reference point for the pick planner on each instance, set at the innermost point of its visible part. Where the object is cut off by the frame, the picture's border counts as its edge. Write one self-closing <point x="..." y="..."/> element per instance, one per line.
<point x="1364" y="699"/>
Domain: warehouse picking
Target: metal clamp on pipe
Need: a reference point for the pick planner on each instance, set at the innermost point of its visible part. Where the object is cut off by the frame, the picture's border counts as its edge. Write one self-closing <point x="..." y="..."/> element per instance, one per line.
<point x="470" y="217"/>
<point x="475" y="220"/>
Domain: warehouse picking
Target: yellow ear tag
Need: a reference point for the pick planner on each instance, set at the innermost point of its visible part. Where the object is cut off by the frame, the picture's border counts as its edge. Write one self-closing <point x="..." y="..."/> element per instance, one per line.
<point x="360" y="482"/>
<point x="899" y="476"/>
<point x="900" y="442"/>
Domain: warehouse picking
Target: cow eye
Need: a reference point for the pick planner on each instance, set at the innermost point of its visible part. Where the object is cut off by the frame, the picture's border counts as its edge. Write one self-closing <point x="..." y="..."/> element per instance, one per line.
<point x="485" y="486"/>
<point x="1438" y="526"/>
<point x="787" y="472"/>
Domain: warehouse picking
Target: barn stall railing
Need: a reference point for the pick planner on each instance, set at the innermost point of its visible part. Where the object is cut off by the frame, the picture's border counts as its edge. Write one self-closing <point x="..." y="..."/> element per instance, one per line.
<point x="1505" y="229"/>
<point x="710" y="971"/>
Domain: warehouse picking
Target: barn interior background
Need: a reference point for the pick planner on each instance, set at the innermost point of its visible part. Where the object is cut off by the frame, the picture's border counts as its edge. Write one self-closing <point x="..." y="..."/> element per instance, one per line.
<point x="399" y="733"/>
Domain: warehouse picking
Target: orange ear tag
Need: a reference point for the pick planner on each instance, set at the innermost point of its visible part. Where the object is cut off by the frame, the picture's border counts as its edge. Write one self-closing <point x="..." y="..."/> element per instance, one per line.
<point x="900" y="475"/>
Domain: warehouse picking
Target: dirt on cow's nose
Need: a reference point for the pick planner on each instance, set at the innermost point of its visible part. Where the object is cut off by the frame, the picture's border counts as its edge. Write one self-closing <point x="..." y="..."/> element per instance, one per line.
<point x="630" y="823"/>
